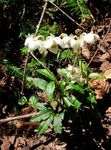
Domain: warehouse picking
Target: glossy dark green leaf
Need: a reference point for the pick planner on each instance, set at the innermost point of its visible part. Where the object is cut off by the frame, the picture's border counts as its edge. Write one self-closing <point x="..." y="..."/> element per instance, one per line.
<point x="52" y="1"/>
<point x="77" y="88"/>
<point x="84" y="68"/>
<point x="50" y="90"/>
<point x="57" y="123"/>
<point x="62" y="85"/>
<point x="91" y="98"/>
<point x="22" y="100"/>
<point x="67" y="102"/>
<point x="76" y="103"/>
<point x="63" y="72"/>
<point x="42" y="115"/>
<point x="33" y="101"/>
<point x="45" y="124"/>
<point x="47" y="74"/>
<point x="38" y="82"/>
<point x="96" y="75"/>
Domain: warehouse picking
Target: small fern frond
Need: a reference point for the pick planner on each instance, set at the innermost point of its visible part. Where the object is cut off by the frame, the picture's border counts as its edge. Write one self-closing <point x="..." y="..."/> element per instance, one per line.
<point x="15" y="71"/>
<point x="79" y="8"/>
<point x="12" y="70"/>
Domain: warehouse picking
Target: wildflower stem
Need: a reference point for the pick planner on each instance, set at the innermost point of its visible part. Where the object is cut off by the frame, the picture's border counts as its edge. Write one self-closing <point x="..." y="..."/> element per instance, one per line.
<point x="41" y="64"/>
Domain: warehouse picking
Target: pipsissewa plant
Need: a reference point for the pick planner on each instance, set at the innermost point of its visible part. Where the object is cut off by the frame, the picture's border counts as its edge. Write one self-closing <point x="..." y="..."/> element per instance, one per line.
<point x="65" y="87"/>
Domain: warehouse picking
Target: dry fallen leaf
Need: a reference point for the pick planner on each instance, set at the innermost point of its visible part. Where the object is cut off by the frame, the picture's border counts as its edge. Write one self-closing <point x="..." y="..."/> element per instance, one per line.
<point x="107" y="74"/>
<point x="108" y="110"/>
<point x="100" y="87"/>
<point x="108" y="37"/>
<point x="105" y="66"/>
<point x="85" y="52"/>
<point x="104" y="57"/>
<point x="6" y="144"/>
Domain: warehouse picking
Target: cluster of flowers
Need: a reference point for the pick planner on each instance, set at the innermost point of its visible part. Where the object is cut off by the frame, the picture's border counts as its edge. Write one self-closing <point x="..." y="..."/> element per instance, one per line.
<point x="63" y="41"/>
<point x="74" y="74"/>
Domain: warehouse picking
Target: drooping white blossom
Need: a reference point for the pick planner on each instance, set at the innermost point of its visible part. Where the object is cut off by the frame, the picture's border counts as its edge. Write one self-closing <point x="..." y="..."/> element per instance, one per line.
<point x="64" y="41"/>
<point x="32" y="43"/>
<point x="60" y="42"/>
<point x="74" y="44"/>
<point x="90" y="38"/>
<point x="51" y="45"/>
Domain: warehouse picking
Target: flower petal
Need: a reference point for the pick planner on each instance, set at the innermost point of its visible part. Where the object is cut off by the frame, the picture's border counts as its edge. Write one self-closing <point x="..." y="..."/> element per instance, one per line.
<point x="60" y="42"/>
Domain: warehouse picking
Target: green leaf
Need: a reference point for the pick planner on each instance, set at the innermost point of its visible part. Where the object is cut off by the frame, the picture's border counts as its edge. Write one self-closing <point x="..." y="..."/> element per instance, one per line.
<point x="45" y="124"/>
<point x="33" y="101"/>
<point x="24" y="50"/>
<point x="84" y="67"/>
<point x="63" y="72"/>
<point x="42" y="115"/>
<point x="40" y="106"/>
<point x="67" y="102"/>
<point x="57" y="123"/>
<point x="38" y="82"/>
<point x="52" y="1"/>
<point x="22" y="101"/>
<point x="50" y="90"/>
<point x="91" y="98"/>
<point x="96" y="75"/>
<point x="62" y="84"/>
<point x="47" y="74"/>
<point x="76" y="103"/>
<point x="66" y="55"/>
<point x="77" y="88"/>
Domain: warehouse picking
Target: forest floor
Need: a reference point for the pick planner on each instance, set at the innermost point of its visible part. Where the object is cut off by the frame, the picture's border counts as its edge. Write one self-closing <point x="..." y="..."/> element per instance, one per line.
<point x="22" y="136"/>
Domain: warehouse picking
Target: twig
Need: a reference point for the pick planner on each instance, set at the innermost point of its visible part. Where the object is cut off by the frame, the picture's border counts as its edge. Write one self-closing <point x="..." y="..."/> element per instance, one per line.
<point x="23" y="12"/>
<point x="42" y="15"/>
<point x="39" y="61"/>
<point x="17" y="117"/>
<point x="24" y="73"/>
<point x="67" y="15"/>
<point x="100" y="43"/>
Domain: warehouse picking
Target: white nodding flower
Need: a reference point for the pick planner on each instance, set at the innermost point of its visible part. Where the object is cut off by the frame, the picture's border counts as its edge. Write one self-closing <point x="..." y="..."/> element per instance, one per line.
<point x="81" y="41"/>
<point x="43" y="50"/>
<point x="72" y="70"/>
<point x="51" y="45"/>
<point x="54" y="49"/>
<point x="66" y="39"/>
<point x="48" y="43"/>
<point x="74" y="44"/>
<point x="28" y="40"/>
<point x="74" y="74"/>
<point x="32" y="43"/>
<point x="60" y="42"/>
<point x="90" y="38"/>
<point x="96" y="37"/>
